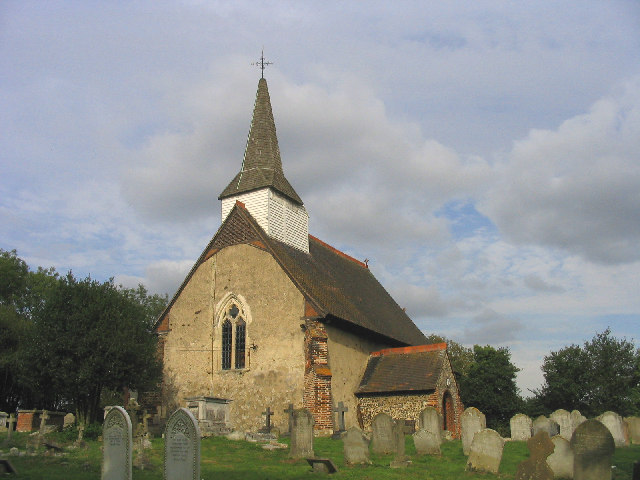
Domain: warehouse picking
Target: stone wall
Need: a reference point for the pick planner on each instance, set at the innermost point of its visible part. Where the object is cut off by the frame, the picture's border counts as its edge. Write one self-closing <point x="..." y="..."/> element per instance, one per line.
<point x="275" y="361"/>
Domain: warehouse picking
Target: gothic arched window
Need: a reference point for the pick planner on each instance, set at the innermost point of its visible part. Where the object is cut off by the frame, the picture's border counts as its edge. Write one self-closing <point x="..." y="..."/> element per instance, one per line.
<point x="234" y="337"/>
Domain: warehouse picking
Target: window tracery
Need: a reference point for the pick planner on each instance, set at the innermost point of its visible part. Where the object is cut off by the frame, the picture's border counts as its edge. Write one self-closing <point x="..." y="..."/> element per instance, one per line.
<point x="234" y="337"/>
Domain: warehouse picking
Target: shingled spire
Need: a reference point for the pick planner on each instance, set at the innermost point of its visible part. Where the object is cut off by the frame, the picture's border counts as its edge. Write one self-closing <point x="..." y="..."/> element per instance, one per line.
<point x="261" y="166"/>
<point x="261" y="185"/>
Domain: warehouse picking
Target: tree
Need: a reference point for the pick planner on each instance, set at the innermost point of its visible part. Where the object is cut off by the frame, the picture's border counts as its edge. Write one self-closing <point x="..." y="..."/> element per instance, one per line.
<point x="461" y="356"/>
<point x="91" y="336"/>
<point x="490" y="386"/>
<point x="602" y="375"/>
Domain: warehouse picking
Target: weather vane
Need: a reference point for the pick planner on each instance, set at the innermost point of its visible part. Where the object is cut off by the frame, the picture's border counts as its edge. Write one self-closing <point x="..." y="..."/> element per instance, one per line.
<point x="261" y="64"/>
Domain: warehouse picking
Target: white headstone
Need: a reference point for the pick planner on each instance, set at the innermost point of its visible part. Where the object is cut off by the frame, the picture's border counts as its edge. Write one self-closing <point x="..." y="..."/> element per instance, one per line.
<point x="182" y="447"/>
<point x="521" y="427"/>
<point x="614" y="423"/>
<point x="576" y="419"/>
<point x="485" y="453"/>
<point x="472" y="421"/>
<point x="634" y="429"/>
<point x="117" y="442"/>
<point x="544" y="424"/>
<point x="563" y="419"/>
<point x="431" y="421"/>
<point x="561" y="460"/>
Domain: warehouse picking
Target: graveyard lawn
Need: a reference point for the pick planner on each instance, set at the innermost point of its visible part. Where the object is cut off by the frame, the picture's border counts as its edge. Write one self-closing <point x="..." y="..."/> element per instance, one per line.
<point x="239" y="460"/>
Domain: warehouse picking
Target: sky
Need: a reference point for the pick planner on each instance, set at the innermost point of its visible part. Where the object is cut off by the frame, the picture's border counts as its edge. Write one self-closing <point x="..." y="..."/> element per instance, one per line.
<point x="483" y="156"/>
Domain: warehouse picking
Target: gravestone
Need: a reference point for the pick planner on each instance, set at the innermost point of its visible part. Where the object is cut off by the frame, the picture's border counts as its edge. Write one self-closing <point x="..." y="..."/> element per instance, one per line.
<point x="426" y="442"/>
<point x="182" y="446"/>
<point x="289" y="412"/>
<point x="44" y="416"/>
<point x="356" y="447"/>
<point x="472" y="421"/>
<point x="340" y="410"/>
<point x="592" y="446"/>
<point x="322" y="465"/>
<point x="116" y="445"/>
<point x="563" y="419"/>
<point x="302" y="434"/>
<point x="544" y="424"/>
<point x="69" y="420"/>
<point x="614" y="423"/>
<point x="431" y="421"/>
<point x="535" y="467"/>
<point x="10" y="426"/>
<point x="3" y="421"/>
<point x="634" y="429"/>
<point x="400" y="459"/>
<point x="561" y="460"/>
<point x="382" y="440"/>
<point x="485" y="453"/>
<point x="576" y="419"/>
<point x="521" y="427"/>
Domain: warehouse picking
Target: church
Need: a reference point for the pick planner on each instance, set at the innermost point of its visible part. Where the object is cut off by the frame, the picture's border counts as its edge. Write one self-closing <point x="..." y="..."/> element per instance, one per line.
<point x="272" y="317"/>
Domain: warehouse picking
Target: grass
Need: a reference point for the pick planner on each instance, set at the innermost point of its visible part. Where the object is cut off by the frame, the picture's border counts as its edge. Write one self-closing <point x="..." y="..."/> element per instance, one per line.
<point x="222" y="458"/>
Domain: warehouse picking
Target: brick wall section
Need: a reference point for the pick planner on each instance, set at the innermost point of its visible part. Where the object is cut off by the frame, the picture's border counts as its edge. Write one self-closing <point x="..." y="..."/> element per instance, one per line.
<point x="317" y="376"/>
<point x="28" y="420"/>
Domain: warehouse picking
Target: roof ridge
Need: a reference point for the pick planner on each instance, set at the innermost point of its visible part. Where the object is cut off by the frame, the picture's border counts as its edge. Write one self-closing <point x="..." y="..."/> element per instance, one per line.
<point x="433" y="347"/>
<point x="339" y="252"/>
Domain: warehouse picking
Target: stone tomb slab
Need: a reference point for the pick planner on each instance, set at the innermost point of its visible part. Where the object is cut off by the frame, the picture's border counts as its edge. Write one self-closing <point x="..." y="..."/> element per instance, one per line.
<point x="182" y="446"/>
<point x="116" y="444"/>
<point x="322" y="465"/>
<point x="593" y="447"/>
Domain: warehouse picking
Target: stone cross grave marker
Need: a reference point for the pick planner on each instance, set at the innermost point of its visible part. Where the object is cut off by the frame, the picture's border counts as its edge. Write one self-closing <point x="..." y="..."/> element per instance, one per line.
<point x="426" y="442"/>
<point x="10" y="426"/>
<point x="356" y="447"/>
<point x="561" y="460"/>
<point x="267" y="422"/>
<point x="44" y="416"/>
<point x="472" y="421"/>
<point x="182" y="446"/>
<point x="614" y="423"/>
<point x="340" y="410"/>
<point x="302" y="434"/>
<point x="592" y="446"/>
<point x="485" y="453"/>
<point x="145" y="422"/>
<point x="382" y="440"/>
<point x="521" y="427"/>
<point x="431" y="421"/>
<point x="117" y="442"/>
<point x="535" y="467"/>
<point x="289" y="412"/>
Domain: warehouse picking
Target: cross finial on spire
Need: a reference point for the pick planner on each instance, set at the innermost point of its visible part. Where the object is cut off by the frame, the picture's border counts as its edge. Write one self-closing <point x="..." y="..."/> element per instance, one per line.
<point x="261" y="64"/>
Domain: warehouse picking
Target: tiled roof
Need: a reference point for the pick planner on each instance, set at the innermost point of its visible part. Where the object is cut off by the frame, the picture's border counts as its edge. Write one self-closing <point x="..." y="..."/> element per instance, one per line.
<point x="261" y="166"/>
<point x="411" y="369"/>
<point x="340" y="288"/>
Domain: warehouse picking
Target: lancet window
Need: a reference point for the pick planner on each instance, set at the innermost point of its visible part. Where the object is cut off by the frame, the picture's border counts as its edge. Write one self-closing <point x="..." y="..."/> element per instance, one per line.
<point x="234" y="338"/>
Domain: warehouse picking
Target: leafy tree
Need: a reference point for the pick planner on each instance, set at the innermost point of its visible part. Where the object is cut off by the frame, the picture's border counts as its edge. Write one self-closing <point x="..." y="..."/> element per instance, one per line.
<point x="490" y="386"/>
<point x="91" y="336"/>
<point x="602" y="375"/>
<point x="461" y="356"/>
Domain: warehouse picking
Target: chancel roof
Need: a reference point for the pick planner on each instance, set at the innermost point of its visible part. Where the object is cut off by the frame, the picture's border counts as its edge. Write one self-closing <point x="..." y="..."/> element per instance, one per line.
<point x="262" y="165"/>
<point x="341" y="289"/>
<point x="410" y="369"/>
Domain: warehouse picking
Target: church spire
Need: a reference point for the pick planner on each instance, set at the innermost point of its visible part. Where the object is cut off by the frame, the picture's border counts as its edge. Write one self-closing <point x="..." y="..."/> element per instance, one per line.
<point x="261" y="166"/>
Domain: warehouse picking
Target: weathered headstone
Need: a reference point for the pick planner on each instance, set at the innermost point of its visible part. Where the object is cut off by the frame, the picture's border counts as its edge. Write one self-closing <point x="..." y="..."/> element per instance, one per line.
<point x="3" y="421"/>
<point x="302" y="434"/>
<point x="634" y="429"/>
<point x="382" y="440"/>
<point x="182" y="446"/>
<point x="561" y="460"/>
<point x="614" y="423"/>
<point x="485" y="453"/>
<point x="563" y="419"/>
<point x="431" y="421"/>
<point x="400" y="459"/>
<point x="69" y="420"/>
<point x="340" y="410"/>
<point x="521" y="427"/>
<point x="535" y="467"/>
<point x="472" y="421"/>
<point x="592" y="446"/>
<point x="356" y="447"/>
<point x="544" y="424"/>
<point x="576" y="419"/>
<point x="426" y="442"/>
<point x="117" y="443"/>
